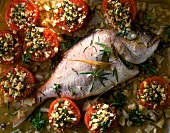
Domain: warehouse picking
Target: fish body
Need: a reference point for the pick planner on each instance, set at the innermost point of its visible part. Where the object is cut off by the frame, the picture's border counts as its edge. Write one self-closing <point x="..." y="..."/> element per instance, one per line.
<point x="75" y="78"/>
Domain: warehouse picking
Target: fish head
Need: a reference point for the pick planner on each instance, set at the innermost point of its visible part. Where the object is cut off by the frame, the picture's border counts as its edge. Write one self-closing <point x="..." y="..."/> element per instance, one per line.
<point x="137" y="47"/>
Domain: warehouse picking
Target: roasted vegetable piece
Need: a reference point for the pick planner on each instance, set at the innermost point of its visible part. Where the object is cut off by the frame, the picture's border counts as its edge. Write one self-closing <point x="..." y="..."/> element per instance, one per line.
<point x="119" y="13"/>
<point x="17" y="83"/>
<point x="100" y="118"/>
<point x="20" y="13"/>
<point x="70" y="15"/>
<point x="63" y="114"/>
<point x="10" y="47"/>
<point x="40" y="43"/>
<point x="154" y="93"/>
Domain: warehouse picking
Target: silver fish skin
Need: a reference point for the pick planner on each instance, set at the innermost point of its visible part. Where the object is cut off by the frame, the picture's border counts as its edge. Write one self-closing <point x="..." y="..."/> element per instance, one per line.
<point x="68" y="74"/>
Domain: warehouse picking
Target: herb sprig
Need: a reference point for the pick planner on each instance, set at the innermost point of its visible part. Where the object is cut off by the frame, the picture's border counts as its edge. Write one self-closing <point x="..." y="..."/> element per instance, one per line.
<point x="105" y="50"/>
<point x="37" y="120"/>
<point x="97" y="74"/>
<point x="135" y="117"/>
<point x="120" y="100"/>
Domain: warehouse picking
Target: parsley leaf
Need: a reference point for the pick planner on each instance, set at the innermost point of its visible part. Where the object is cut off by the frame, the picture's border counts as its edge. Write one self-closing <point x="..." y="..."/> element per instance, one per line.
<point x="37" y="120"/>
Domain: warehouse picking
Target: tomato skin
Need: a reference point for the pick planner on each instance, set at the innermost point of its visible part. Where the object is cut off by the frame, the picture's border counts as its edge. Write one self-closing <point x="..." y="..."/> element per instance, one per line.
<point x="17" y="50"/>
<point x="133" y="8"/>
<point x="90" y="111"/>
<point x="73" y="107"/>
<point x="85" y="9"/>
<point x="29" y="79"/>
<point x="160" y="81"/>
<point x="50" y="37"/>
<point x="31" y="6"/>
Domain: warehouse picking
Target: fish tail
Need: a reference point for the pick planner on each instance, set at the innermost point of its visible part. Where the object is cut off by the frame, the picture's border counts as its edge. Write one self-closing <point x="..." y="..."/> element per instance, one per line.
<point x="40" y="97"/>
<point x="28" y="110"/>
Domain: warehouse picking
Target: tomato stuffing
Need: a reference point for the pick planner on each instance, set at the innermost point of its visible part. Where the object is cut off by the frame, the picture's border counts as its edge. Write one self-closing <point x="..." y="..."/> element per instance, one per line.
<point x="63" y="114"/>
<point x="20" y="13"/>
<point x="40" y="43"/>
<point x="100" y="118"/>
<point x="17" y="83"/>
<point x="154" y="93"/>
<point x="10" y="47"/>
<point x="70" y="15"/>
<point x="119" y="13"/>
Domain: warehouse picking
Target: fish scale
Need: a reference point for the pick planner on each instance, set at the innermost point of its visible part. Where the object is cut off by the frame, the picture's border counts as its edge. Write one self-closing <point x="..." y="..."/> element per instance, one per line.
<point x="75" y="85"/>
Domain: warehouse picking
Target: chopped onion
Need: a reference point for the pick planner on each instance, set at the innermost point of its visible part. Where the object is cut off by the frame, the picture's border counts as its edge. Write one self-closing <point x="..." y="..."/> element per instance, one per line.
<point x="125" y="114"/>
<point x="161" y="122"/>
<point x="21" y="113"/>
<point x="122" y="121"/>
<point x="29" y="101"/>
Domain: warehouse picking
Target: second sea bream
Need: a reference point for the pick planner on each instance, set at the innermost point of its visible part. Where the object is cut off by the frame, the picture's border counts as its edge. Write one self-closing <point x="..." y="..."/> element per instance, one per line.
<point x="93" y="67"/>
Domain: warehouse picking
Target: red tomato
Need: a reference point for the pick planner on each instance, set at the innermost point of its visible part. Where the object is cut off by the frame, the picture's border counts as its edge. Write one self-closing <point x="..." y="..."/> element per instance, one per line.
<point x="29" y="13"/>
<point x="14" y="83"/>
<point x="50" y="44"/>
<point x="105" y="122"/>
<point x="154" y="92"/>
<point x="71" y="19"/>
<point x="133" y="8"/>
<point x="65" y="108"/>
<point x="10" y="47"/>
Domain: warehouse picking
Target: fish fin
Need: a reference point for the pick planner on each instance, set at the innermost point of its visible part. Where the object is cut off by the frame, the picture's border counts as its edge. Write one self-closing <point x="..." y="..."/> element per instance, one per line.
<point x="99" y="64"/>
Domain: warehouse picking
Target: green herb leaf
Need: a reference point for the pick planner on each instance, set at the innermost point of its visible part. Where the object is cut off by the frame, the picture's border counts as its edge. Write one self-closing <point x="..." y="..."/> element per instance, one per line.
<point x="72" y="91"/>
<point x="168" y="32"/>
<point x="120" y="100"/>
<point x="147" y="65"/>
<point x="86" y="72"/>
<point x="115" y="74"/>
<point x="120" y="34"/>
<point x="25" y="58"/>
<point x="105" y="50"/>
<point x="56" y="87"/>
<point x="37" y="120"/>
<point x="92" y="85"/>
<point x="135" y="117"/>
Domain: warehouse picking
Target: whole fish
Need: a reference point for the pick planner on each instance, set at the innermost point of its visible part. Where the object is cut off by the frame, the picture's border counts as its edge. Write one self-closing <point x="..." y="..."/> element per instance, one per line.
<point x="91" y="67"/>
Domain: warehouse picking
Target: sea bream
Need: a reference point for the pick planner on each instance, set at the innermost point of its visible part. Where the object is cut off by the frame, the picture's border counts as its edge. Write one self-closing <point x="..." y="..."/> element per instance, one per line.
<point x="92" y="67"/>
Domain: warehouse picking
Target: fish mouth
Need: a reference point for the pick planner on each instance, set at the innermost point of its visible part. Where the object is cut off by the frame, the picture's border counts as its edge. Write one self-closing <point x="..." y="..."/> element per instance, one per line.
<point x="153" y="41"/>
<point x="148" y="39"/>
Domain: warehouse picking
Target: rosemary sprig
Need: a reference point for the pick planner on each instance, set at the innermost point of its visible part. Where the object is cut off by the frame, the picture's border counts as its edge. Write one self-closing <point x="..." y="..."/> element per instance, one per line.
<point x="96" y="74"/>
<point x="115" y="74"/>
<point x="92" y="85"/>
<point x="102" y="77"/>
<point x="147" y="65"/>
<point x="105" y="50"/>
